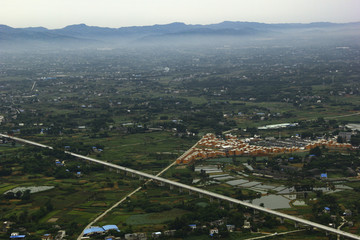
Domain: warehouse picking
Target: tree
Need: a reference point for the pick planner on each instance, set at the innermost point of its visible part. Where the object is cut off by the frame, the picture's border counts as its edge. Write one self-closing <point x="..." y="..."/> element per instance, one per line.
<point x="18" y="194"/>
<point x="9" y="195"/>
<point x="49" y="206"/>
<point x="26" y="195"/>
<point x="316" y="151"/>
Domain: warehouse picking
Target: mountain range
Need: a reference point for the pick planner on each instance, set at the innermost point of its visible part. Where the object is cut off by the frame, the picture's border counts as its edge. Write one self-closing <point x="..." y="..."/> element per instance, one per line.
<point x="83" y="35"/>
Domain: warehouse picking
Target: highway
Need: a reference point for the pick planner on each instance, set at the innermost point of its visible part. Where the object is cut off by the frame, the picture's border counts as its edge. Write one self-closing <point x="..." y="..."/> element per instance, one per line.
<point x="199" y="191"/>
<point x="275" y="234"/>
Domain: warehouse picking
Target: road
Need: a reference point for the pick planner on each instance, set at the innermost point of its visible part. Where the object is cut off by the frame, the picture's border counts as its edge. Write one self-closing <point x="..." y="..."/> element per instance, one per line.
<point x="276" y="234"/>
<point x="107" y="211"/>
<point x="201" y="192"/>
<point x="341" y="225"/>
<point x="123" y="199"/>
<point x="346" y="115"/>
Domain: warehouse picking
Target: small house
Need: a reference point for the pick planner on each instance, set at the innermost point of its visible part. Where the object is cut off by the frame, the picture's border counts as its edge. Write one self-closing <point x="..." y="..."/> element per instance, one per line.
<point x="347" y="212"/>
<point x="47" y="236"/>
<point x="135" y="236"/>
<point x="213" y="231"/>
<point x="93" y="230"/>
<point x="111" y="227"/>
<point x="345" y="136"/>
<point x="169" y="233"/>
<point x="246" y="225"/>
<point x="192" y="226"/>
<point x="16" y="235"/>
<point x="156" y="234"/>
<point x="230" y="228"/>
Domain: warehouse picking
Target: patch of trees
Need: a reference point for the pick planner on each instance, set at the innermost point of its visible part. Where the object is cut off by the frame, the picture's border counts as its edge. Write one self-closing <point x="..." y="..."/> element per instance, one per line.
<point x="5" y="171"/>
<point x="184" y="177"/>
<point x="355" y="140"/>
<point x="332" y="161"/>
<point x="147" y="206"/>
<point x="23" y="195"/>
<point x="37" y="164"/>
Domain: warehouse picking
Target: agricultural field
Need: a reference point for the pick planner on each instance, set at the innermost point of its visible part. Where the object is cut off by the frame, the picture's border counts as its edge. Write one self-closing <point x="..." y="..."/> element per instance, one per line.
<point x="124" y="108"/>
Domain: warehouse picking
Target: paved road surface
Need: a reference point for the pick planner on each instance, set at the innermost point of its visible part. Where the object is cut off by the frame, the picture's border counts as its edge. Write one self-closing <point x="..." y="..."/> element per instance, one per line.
<point x="276" y="234"/>
<point x="123" y="199"/>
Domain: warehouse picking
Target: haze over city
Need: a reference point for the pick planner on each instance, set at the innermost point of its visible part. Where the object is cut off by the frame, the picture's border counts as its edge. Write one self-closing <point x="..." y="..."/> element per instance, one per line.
<point x="111" y="13"/>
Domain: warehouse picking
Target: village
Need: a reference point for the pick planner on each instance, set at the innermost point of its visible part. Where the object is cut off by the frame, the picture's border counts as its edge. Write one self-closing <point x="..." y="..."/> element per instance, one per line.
<point x="210" y="147"/>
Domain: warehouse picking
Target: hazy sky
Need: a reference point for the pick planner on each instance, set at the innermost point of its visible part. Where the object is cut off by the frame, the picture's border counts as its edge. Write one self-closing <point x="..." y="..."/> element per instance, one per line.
<point x="119" y="13"/>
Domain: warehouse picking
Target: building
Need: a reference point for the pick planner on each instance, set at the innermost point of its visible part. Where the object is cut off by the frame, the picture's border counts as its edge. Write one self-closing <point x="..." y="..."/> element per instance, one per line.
<point x="246" y="225"/>
<point x="345" y="136"/>
<point x="156" y="234"/>
<point x="47" y="236"/>
<point x="169" y="233"/>
<point x="230" y="228"/>
<point x="213" y="231"/>
<point x="326" y="210"/>
<point x="323" y="175"/>
<point x="192" y="226"/>
<point x="16" y="235"/>
<point x="110" y="227"/>
<point x="135" y="236"/>
<point x="347" y="212"/>
<point x="93" y="230"/>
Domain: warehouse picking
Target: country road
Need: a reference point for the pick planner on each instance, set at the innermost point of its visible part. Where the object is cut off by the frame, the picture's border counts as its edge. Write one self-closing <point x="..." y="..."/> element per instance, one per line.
<point x="124" y="198"/>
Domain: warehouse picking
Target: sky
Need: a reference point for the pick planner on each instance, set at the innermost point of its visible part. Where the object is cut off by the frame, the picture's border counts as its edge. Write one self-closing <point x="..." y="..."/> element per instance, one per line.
<point x="120" y="13"/>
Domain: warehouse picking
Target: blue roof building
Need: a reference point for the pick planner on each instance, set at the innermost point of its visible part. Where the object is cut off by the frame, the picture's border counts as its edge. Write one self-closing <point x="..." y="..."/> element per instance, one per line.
<point x="18" y="236"/>
<point x="102" y="229"/>
<point x="93" y="230"/>
<point x="323" y="175"/>
<point x="110" y="227"/>
<point x="192" y="226"/>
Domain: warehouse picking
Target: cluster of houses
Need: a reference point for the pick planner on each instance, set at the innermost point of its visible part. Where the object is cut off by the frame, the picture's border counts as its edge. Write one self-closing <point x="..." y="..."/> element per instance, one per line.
<point x="210" y="147"/>
<point x="95" y="231"/>
<point x="23" y="234"/>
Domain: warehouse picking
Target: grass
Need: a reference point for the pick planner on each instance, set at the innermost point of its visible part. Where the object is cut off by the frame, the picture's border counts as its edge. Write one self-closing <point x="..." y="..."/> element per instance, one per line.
<point x="155" y="218"/>
<point x="6" y="187"/>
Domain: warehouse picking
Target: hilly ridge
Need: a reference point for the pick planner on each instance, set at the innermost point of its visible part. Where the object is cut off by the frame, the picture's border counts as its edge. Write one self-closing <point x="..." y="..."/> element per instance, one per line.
<point x="91" y="36"/>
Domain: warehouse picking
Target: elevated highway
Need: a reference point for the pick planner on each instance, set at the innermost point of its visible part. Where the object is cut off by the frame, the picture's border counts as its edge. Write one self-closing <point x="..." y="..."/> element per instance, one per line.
<point x="201" y="192"/>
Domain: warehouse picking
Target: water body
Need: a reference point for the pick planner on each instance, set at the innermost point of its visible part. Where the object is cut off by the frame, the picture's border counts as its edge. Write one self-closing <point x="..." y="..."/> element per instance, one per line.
<point x="272" y="201"/>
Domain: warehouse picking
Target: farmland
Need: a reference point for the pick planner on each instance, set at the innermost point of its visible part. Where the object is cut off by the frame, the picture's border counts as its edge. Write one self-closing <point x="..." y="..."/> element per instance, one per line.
<point x="127" y="109"/>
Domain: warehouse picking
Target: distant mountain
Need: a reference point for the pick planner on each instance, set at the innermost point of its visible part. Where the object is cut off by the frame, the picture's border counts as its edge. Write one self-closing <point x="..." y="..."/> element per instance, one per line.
<point x="73" y="35"/>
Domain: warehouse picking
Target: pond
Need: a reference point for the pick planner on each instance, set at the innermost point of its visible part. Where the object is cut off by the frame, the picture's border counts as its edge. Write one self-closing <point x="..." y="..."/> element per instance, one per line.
<point x="272" y="201"/>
